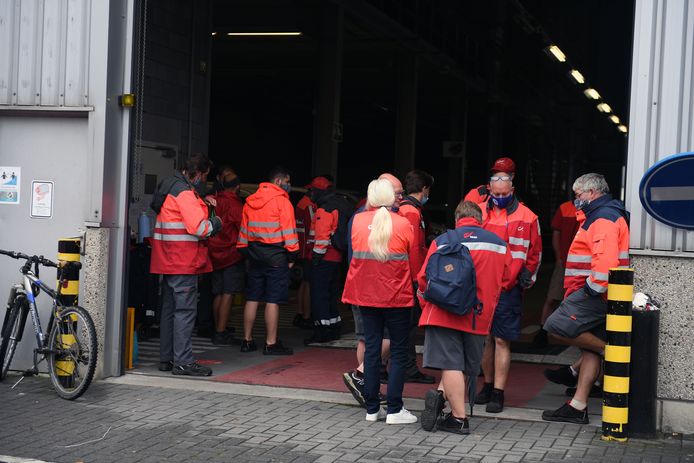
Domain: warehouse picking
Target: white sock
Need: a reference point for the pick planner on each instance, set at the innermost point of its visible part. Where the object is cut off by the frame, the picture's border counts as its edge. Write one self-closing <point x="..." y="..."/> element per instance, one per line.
<point x="573" y="372"/>
<point x="578" y="405"/>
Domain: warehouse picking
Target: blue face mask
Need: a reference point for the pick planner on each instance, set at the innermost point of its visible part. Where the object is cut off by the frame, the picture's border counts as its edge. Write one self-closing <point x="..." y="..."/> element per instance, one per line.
<point x="581" y="203"/>
<point x="424" y="200"/>
<point x="286" y="187"/>
<point x="502" y="202"/>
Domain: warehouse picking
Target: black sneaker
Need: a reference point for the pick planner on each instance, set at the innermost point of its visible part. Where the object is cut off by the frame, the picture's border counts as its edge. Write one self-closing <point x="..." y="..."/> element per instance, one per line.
<point x="248" y="346"/>
<point x="540" y="340"/>
<point x="485" y="394"/>
<point x="166" y="366"/>
<point x="421" y="378"/>
<point x="355" y="384"/>
<point x="496" y="401"/>
<point x="455" y="425"/>
<point x="595" y="392"/>
<point x="561" y="375"/>
<point x="566" y="414"/>
<point x="277" y="349"/>
<point x="192" y="369"/>
<point x="224" y="338"/>
<point x="320" y="335"/>
<point x="301" y="322"/>
<point x="433" y="406"/>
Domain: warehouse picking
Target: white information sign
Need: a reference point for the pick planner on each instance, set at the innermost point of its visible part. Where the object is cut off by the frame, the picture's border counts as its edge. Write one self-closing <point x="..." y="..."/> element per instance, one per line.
<point x="41" y="199"/>
<point x="9" y="184"/>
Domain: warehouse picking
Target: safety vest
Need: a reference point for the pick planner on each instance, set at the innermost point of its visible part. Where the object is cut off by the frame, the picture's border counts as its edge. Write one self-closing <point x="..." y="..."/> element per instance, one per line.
<point x="519" y="227"/>
<point x="181" y="226"/>
<point x="601" y="243"/>
<point x="372" y="283"/>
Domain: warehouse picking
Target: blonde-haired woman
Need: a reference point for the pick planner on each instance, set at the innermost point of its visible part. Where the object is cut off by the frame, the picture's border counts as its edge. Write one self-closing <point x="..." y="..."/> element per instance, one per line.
<point x="379" y="280"/>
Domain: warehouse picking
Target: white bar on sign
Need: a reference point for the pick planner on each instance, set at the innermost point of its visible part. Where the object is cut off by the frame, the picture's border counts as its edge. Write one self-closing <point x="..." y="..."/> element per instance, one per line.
<point x="672" y="193"/>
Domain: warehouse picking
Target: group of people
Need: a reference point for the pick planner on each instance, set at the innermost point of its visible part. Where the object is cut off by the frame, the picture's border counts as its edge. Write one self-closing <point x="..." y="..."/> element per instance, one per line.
<point x="464" y="288"/>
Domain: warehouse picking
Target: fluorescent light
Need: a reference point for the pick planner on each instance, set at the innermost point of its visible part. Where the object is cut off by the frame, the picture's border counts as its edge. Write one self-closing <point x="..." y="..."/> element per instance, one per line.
<point x="614" y="119"/>
<point x="213" y="34"/>
<point x="591" y="93"/>
<point x="604" y="108"/>
<point x="556" y="52"/>
<point x="577" y="76"/>
<point x="622" y="128"/>
<point x="263" y="34"/>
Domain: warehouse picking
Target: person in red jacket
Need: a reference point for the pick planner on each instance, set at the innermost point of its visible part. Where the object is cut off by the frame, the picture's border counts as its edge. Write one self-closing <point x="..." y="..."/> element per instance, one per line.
<point x="268" y="238"/>
<point x="418" y="187"/>
<point x="480" y="194"/>
<point x="179" y="253"/>
<point x="454" y="343"/>
<point x="601" y="243"/>
<point x="304" y="212"/>
<point x="227" y="262"/>
<point x="379" y="281"/>
<point x="518" y="226"/>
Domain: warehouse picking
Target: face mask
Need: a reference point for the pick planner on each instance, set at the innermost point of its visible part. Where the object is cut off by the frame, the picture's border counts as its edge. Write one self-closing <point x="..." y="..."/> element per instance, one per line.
<point x="199" y="186"/>
<point x="502" y="202"/>
<point x="424" y="200"/>
<point x="286" y="187"/>
<point x="581" y="203"/>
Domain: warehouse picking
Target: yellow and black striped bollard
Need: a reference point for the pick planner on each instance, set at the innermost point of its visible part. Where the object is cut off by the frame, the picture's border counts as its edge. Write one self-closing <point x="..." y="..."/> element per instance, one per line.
<point x="68" y="250"/>
<point x="615" y="409"/>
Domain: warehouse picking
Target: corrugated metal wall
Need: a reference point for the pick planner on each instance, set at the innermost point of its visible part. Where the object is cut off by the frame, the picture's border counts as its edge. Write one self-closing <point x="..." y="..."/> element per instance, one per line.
<point x="44" y="52"/>
<point x="661" y="119"/>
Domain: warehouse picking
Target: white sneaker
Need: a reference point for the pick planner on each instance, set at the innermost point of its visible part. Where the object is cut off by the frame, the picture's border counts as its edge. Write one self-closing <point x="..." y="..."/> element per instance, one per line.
<point x="402" y="417"/>
<point x="380" y="415"/>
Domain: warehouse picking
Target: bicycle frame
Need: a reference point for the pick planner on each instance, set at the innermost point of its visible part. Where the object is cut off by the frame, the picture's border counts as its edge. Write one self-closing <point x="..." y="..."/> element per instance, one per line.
<point x="30" y="280"/>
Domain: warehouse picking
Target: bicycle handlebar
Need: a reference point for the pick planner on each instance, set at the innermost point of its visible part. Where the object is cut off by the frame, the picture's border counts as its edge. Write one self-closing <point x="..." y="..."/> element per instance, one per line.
<point x="41" y="260"/>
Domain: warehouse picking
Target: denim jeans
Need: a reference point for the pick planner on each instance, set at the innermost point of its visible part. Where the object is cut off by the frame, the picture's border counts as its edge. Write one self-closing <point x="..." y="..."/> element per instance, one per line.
<point x="397" y="320"/>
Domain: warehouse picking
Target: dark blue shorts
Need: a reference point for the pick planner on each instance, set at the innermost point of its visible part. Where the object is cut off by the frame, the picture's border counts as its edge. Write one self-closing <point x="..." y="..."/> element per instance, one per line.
<point x="507" y="316"/>
<point x="267" y="284"/>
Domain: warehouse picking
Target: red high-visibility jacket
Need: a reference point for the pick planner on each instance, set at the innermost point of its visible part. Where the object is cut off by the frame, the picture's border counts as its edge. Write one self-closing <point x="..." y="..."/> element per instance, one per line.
<point x="181" y="226"/>
<point x="268" y="232"/>
<point x="601" y="243"/>
<point x="371" y="283"/>
<point x="304" y="212"/>
<point x="492" y="260"/>
<point x="478" y="195"/>
<point x="324" y="225"/>
<point x="564" y="221"/>
<point x="222" y="246"/>
<point x="411" y="209"/>
<point x="519" y="227"/>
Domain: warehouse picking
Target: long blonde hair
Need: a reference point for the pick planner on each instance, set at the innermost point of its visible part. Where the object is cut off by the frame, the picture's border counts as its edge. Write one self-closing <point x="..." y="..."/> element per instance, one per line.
<point x="380" y="195"/>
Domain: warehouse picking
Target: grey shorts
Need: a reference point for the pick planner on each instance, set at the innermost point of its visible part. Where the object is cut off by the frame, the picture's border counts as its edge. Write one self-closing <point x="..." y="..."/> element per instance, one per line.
<point x="447" y="349"/>
<point x="578" y="313"/>
<point x="359" y="324"/>
<point x="556" y="284"/>
<point x="229" y="280"/>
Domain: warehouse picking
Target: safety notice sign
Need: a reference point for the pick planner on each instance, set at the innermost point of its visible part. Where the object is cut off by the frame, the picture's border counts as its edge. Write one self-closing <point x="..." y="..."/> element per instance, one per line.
<point x="10" y="184"/>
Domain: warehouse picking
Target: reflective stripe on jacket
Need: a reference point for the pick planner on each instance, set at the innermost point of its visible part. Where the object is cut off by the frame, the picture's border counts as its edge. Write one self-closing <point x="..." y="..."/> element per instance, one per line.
<point x="372" y="283"/>
<point x="181" y="225"/>
<point x="411" y="209"/>
<point x="492" y="260"/>
<point x="519" y="227"/>
<point x="304" y="212"/>
<point x="268" y="226"/>
<point x="222" y="246"/>
<point x="601" y="243"/>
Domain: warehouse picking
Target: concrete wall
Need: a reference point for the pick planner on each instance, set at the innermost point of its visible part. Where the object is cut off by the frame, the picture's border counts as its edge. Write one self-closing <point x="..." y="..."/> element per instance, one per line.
<point x="669" y="281"/>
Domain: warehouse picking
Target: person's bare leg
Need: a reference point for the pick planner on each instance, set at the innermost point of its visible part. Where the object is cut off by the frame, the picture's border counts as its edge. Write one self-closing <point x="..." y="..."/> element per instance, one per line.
<point x="453" y="382"/>
<point x="586" y="340"/>
<point x="488" y="360"/>
<point x="502" y="362"/>
<point x="361" y="347"/>
<point x="590" y="368"/>
<point x="272" y="316"/>
<point x="385" y="353"/>
<point x="249" y="312"/>
<point x="222" y="312"/>
<point x="304" y="300"/>
<point x="216" y="302"/>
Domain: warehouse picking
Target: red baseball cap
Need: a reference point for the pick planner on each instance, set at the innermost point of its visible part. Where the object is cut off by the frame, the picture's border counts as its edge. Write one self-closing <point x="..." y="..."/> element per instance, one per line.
<point x="319" y="183"/>
<point x="504" y="165"/>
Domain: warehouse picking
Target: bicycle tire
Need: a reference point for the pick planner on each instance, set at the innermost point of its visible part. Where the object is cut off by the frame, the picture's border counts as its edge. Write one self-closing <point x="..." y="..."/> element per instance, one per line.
<point x="10" y="332"/>
<point x="68" y="363"/>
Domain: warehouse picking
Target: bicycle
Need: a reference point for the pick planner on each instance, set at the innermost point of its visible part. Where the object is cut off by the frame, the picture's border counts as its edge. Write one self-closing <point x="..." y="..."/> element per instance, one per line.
<point x="69" y="345"/>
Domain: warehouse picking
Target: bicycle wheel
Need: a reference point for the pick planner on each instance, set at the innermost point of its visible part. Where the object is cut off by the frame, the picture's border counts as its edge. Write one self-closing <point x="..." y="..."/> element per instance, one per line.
<point x="11" y="333"/>
<point x="72" y="350"/>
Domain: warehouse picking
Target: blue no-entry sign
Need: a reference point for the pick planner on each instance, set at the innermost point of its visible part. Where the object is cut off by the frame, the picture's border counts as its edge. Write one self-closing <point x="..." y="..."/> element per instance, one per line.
<point x="667" y="191"/>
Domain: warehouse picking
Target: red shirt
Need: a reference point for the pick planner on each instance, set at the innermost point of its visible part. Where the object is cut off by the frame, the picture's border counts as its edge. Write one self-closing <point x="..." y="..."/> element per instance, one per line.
<point x="564" y="221"/>
<point x="419" y="248"/>
<point x="492" y="259"/>
<point x="222" y="246"/>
